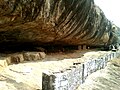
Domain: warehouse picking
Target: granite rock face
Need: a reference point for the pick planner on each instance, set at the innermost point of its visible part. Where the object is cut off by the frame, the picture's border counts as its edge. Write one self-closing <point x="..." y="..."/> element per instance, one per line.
<point x="65" y="22"/>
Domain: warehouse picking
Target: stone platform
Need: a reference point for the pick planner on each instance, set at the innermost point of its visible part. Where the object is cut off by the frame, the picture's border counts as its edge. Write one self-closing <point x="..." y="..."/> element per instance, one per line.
<point x="72" y="77"/>
<point x="42" y="74"/>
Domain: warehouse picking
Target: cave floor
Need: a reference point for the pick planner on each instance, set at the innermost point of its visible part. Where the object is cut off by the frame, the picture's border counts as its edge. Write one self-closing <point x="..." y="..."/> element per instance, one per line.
<point x="28" y="74"/>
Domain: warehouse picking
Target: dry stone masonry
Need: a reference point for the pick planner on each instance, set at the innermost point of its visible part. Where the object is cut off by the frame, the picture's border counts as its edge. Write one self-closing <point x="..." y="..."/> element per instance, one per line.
<point x="64" y="74"/>
<point x="75" y="75"/>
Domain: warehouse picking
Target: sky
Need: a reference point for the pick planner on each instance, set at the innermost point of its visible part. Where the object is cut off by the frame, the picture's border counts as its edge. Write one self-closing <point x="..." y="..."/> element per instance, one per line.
<point x="111" y="9"/>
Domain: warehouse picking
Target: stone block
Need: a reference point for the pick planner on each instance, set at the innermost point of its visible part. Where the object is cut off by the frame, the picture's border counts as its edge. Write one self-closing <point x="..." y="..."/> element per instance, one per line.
<point x="84" y="47"/>
<point x="117" y="53"/>
<point x="91" y="68"/>
<point x="3" y="63"/>
<point x="93" y="65"/>
<point x="80" y="47"/>
<point x="69" y="79"/>
<point x="88" y="68"/>
<point x="99" y="63"/>
<point x="32" y="56"/>
<point x="48" y="81"/>
<point x="105" y="61"/>
<point x="85" y="70"/>
<point x="42" y="55"/>
<point x="109" y="57"/>
<point x="17" y="58"/>
<point x="114" y="54"/>
<point x="8" y="59"/>
<point x="102" y="62"/>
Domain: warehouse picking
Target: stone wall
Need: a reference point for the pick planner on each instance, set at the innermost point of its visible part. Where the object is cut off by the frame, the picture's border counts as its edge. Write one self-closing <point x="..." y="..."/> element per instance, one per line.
<point x="75" y="75"/>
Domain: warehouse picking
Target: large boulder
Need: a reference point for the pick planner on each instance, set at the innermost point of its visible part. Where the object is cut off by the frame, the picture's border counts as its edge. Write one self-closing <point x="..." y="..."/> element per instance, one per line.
<point x="64" y="22"/>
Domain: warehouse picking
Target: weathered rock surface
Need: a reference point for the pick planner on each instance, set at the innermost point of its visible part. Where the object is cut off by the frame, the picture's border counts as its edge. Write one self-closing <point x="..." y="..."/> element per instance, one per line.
<point x="15" y="58"/>
<point x="66" y="22"/>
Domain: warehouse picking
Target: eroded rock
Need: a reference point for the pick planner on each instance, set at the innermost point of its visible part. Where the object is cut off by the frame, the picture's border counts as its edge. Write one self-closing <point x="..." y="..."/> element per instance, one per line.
<point x="65" y="22"/>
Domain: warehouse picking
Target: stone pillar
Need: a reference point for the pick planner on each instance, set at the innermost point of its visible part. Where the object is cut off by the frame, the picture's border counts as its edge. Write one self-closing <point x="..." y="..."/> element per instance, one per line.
<point x="84" y="47"/>
<point x="80" y="47"/>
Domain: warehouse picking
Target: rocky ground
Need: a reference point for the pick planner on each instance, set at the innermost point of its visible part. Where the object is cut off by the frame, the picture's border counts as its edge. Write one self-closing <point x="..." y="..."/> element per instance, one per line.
<point x="27" y="75"/>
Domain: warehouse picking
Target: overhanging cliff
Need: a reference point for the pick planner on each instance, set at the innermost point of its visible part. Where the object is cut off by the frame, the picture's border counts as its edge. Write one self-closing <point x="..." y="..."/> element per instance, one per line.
<point x="64" y="22"/>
